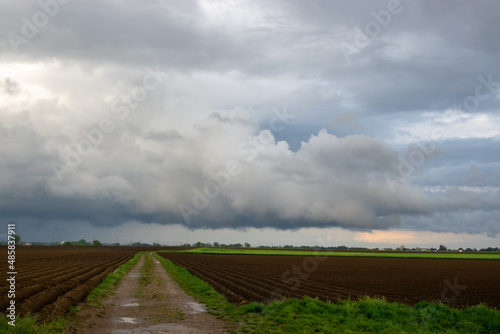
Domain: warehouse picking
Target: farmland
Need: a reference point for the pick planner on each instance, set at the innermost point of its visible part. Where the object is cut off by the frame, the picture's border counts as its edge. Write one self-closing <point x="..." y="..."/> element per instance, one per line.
<point x="52" y="279"/>
<point x="244" y="278"/>
<point x="385" y="254"/>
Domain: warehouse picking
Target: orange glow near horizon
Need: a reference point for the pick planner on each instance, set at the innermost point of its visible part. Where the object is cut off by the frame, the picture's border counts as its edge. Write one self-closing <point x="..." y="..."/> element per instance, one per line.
<point x="415" y="238"/>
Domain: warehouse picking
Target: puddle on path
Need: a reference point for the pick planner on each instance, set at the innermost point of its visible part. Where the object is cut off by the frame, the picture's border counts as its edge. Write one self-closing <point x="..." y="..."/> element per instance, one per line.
<point x="130" y="304"/>
<point x="195" y="308"/>
<point x="127" y="320"/>
<point x="134" y="274"/>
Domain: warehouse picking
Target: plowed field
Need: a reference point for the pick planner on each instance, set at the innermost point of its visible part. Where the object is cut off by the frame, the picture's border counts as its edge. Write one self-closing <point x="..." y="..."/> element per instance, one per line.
<point x="51" y="279"/>
<point x="246" y="278"/>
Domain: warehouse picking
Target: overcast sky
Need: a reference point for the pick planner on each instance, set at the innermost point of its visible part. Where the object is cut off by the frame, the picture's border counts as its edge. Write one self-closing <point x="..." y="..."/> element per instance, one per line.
<point x="369" y="123"/>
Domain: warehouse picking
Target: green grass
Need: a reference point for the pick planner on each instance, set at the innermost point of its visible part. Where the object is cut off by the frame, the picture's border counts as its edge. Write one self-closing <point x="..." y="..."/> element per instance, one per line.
<point x="309" y="315"/>
<point x="146" y="270"/>
<point x="367" y="315"/>
<point x="421" y="255"/>
<point x="146" y="275"/>
<point x="29" y="325"/>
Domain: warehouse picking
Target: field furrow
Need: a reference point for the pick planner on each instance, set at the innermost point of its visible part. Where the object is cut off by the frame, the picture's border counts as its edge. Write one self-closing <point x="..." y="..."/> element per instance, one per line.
<point x="247" y="278"/>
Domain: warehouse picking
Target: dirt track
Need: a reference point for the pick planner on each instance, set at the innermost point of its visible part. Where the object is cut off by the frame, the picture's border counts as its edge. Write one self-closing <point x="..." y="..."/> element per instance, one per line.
<point x="159" y="306"/>
<point x="244" y="278"/>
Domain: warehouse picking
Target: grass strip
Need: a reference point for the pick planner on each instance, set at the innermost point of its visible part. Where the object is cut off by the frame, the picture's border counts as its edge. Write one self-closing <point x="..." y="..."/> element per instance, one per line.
<point x="308" y="315"/>
<point x="146" y="270"/>
<point x="29" y="325"/>
<point x="384" y="254"/>
<point x="146" y="275"/>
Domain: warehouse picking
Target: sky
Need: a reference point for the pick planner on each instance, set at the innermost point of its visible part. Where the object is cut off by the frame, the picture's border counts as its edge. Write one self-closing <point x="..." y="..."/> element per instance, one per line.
<point x="360" y="123"/>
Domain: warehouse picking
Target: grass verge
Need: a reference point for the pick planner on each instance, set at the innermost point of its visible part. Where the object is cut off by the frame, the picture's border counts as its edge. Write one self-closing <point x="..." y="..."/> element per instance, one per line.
<point x="29" y="325"/>
<point x="421" y="255"/>
<point x="307" y="315"/>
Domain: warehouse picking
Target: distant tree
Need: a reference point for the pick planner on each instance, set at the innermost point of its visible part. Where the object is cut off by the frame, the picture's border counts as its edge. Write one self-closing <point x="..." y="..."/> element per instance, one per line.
<point x="443" y="248"/>
<point x="116" y="244"/>
<point x="68" y="243"/>
<point x="199" y="244"/>
<point x="136" y="244"/>
<point x="247" y="245"/>
<point x="155" y="244"/>
<point x="96" y="243"/>
<point x="489" y="249"/>
<point x="17" y="239"/>
<point x="216" y="244"/>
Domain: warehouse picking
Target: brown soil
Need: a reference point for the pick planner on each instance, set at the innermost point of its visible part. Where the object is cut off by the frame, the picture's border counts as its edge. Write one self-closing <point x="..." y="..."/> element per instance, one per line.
<point x="51" y="279"/>
<point x="246" y="278"/>
<point x="157" y="307"/>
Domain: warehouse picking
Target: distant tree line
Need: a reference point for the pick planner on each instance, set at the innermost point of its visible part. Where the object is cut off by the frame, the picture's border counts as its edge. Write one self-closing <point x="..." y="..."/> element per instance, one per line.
<point x="142" y="244"/>
<point x="82" y="242"/>
<point x="441" y="248"/>
<point x="199" y="244"/>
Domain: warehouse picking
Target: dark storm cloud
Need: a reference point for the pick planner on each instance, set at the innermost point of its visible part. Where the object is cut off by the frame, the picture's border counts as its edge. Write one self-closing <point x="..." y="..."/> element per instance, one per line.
<point x="225" y="69"/>
<point x="428" y="57"/>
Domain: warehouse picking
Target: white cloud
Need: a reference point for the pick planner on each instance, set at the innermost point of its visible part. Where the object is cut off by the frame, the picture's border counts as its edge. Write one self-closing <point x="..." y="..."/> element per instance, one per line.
<point x="436" y="127"/>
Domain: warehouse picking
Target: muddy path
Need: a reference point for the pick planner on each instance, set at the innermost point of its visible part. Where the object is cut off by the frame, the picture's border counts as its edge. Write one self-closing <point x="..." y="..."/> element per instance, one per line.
<point x="147" y="300"/>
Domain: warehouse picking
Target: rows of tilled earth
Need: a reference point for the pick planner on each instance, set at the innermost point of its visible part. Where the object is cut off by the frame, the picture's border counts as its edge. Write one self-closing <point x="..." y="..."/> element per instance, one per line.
<point x="51" y="279"/>
<point x="247" y="278"/>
